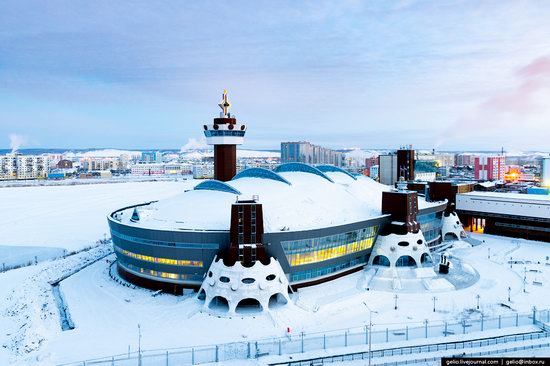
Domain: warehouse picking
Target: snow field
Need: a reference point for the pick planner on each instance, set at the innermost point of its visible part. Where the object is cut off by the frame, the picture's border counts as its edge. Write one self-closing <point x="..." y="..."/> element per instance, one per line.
<point x="109" y="313"/>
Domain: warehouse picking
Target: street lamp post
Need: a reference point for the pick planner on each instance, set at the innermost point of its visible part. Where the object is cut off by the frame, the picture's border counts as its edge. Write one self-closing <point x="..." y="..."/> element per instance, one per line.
<point x="139" y="345"/>
<point x="478" y="297"/>
<point x="395" y="298"/>
<point x="524" y="278"/>
<point x="434" y="300"/>
<point x="370" y="330"/>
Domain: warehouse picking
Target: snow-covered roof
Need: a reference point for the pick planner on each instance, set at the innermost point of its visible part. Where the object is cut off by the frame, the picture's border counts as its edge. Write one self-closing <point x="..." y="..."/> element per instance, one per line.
<point x="511" y="196"/>
<point x="293" y="198"/>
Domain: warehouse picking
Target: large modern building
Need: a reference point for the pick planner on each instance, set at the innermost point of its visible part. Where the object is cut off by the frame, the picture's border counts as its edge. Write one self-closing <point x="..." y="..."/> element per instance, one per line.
<point x="305" y="152"/>
<point x="318" y="223"/>
<point x="16" y="166"/>
<point x="509" y="214"/>
<point x="489" y="167"/>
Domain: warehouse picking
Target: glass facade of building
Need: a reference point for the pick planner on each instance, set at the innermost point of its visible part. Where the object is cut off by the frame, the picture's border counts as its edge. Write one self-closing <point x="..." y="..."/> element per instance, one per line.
<point x="313" y="250"/>
<point x="147" y="258"/>
<point x="430" y="224"/>
<point x="323" y="271"/>
<point x="159" y="274"/>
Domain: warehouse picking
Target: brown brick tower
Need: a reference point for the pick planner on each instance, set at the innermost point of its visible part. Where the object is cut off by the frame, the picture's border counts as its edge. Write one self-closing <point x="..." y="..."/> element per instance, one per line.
<point x="225" y="135"/>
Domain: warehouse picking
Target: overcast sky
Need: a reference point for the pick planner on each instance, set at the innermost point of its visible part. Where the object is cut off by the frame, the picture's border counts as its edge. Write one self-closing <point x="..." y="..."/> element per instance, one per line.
<point x="371" y="74"/>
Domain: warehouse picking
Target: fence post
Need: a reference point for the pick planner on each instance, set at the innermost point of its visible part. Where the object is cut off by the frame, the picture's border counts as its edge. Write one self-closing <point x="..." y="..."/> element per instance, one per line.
<point x="280" y="348"/>
<point x="324" y="341"/>
<point x="248" y="350"/>
<point x="166" y="358"/>
<point x="463" y="326"/>
<point x="499" y="321"/>
<point x="217" y="357"/>
<point x="302" y="342"/>
<point x="407" y="332"/>
<point x="192" y="356"/>
<point x="482" y="322"/>
<point x="387" y="335"/>
<point x="534" y="315"/>
<point x="346" y="338"/>
<point x="445" y="329"/>
<point x="366" y="335"/>
<point x="517" y="319"/>
<point x="113" y="361"/>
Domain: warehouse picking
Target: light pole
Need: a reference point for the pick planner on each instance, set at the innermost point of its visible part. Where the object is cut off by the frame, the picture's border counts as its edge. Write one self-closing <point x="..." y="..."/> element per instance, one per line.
<point x="395" y="297"/>
<point x="478" y="297"/>
<point x="524" y="278"/>
<point x="139" y="345"/>
<point x="434" y="299"/>
<point x="370" y="330"/>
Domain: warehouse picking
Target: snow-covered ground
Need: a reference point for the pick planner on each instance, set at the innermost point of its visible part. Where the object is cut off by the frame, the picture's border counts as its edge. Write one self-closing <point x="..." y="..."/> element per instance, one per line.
<point x="108" y="313"/>
<point x="42" y="221"/>
<point x="58" y="218"/>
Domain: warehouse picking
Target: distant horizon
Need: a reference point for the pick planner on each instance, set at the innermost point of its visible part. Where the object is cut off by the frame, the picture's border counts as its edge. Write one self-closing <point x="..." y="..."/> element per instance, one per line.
<point x="62" y="149"/>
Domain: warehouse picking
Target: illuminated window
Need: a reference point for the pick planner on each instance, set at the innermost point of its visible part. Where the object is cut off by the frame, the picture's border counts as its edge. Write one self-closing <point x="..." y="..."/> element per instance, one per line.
<point x="313" y="250"/>
<point x="146" y="258"/>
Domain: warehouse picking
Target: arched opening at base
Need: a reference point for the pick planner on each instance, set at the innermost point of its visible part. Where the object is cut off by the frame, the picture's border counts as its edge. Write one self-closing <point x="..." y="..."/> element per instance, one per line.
<point x="405" y="261"/>
<point x="381" y="260"/>
<point x="277" y="300"/>
<point x="219" y="303"/>
<point x="202" y="295"/>
<point x="248" y="306"/>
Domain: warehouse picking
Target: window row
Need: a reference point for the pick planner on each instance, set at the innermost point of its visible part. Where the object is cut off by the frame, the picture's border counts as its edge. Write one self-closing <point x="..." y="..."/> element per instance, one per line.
<point x="331" y="241"/>
<point x="164" y="243"/>
<point x="169" y="275"/>
<point x="147" y="258"/>
<point x="318" y="272"/>
<point x="315" y="256"/>
<point x="211" y="133"/>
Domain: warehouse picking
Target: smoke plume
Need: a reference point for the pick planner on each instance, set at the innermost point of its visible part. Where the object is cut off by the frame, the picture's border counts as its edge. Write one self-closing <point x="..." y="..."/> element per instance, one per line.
<point x="16" y="141"/>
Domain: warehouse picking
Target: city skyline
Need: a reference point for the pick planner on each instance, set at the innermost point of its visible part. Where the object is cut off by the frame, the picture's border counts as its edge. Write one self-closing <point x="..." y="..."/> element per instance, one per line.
<point x="452" y="76"/>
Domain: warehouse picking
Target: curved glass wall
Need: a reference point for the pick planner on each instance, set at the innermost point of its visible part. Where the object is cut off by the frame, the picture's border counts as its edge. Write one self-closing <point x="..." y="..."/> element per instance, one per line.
<point x="216" y="185"/>
<point x="147" y="258"/>
<point x="323" y="271"/>
<point x="159" y="274"/>
<point x="301" y="167"/>
<point x="313" y="250"/>
<point x="332" y="168"/>
<point x="430" y="224"/>
<point x="261" y="173"/>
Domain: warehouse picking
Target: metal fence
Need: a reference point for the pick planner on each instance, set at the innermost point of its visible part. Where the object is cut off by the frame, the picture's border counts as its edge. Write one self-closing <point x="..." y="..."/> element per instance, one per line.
<point x="306" y="342"/>
<point x="460" y="348"/>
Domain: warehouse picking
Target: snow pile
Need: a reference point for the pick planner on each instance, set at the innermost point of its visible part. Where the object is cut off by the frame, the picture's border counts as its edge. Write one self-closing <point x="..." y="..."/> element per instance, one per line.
<point x="31" y="304"/>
